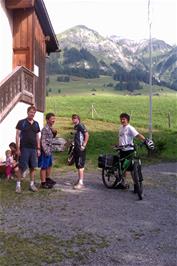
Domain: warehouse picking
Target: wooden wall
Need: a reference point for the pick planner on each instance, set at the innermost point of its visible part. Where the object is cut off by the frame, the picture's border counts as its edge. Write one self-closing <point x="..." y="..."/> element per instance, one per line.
<point x="14" y="4"/>
<point x="29" y="49"/>
<point x="23" y="38"/>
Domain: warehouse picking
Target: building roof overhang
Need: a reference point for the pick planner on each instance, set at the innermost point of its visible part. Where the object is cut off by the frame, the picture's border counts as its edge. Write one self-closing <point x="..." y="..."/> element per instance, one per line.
<point x="52" y="44"/>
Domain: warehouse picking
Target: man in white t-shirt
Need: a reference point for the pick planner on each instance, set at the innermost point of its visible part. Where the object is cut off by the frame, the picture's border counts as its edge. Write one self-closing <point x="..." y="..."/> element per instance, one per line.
<point x="127" y="133"/>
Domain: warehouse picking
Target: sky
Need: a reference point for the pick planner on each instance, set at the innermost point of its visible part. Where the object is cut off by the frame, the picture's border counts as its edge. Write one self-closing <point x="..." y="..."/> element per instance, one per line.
<point x="124" y="18"/>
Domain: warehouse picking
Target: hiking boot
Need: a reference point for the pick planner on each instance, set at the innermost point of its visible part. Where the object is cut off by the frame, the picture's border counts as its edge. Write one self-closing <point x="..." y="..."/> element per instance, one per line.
<point x="50" y="181"/>
<point x="18" y="189"/>
<point x="46" y="185"/>
<point x="79" y="186"/>
<point x="33" y="188"/>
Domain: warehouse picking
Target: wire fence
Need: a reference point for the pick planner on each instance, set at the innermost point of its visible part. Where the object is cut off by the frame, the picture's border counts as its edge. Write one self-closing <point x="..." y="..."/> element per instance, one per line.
<point x="163" y="117"/>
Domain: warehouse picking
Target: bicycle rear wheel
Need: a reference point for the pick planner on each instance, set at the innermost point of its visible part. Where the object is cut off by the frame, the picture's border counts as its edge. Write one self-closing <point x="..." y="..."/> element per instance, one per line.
<point x="138" y="179"/>
<point x="110" y="178"/>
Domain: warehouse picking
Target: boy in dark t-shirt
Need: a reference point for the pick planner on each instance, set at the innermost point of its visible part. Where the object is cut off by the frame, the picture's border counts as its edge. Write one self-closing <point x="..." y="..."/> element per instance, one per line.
<point x="81" y="137"/>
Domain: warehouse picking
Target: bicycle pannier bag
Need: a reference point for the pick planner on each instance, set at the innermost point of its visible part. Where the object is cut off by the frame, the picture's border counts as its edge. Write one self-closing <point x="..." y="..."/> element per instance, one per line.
<point x="101" y="161"/>
<point x="109" y="161"/>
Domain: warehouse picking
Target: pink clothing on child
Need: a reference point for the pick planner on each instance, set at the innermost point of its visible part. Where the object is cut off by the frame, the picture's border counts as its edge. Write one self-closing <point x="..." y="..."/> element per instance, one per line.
<point x="9" y="165"/>
<point x="9" y="160"/>
<point x="9" y="170"/>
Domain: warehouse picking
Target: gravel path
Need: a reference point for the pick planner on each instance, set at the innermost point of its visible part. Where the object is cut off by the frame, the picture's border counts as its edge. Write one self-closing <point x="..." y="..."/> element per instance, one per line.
<point x="102" y="226"/>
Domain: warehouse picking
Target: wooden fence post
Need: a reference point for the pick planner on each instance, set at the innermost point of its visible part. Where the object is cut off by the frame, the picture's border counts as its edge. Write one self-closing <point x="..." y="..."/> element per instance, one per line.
<point x="169" y="120"/>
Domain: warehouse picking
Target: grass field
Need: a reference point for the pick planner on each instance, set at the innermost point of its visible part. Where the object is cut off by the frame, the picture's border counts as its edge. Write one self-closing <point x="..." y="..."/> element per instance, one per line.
<point x="109" y="107"/>
<point x="100" y="111"/>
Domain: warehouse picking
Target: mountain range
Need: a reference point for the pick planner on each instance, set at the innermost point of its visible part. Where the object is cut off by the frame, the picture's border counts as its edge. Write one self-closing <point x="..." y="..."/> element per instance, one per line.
<point x="84" y="52"/>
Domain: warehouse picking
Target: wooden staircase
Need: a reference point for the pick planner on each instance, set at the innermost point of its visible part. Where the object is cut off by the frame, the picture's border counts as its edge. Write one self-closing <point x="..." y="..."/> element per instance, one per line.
<point x="19" y="86"/>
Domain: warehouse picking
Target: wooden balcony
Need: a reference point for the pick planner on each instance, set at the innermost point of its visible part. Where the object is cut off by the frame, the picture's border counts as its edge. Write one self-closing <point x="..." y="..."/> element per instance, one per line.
<point x="18" y="86"/>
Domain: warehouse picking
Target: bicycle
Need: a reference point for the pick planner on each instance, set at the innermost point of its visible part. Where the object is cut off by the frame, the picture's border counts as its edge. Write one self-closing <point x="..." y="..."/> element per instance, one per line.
<point x="70" y="158"/>
<point x="114" y="168"/>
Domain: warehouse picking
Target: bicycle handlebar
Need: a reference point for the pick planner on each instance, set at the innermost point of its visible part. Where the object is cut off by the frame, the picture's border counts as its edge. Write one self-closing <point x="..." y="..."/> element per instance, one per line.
<point x="116" y="147"/>
<point x="121" y="147"/>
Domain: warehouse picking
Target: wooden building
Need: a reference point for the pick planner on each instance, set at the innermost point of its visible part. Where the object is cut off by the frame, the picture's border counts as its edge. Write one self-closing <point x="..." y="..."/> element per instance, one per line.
<point x="27" y="36"/>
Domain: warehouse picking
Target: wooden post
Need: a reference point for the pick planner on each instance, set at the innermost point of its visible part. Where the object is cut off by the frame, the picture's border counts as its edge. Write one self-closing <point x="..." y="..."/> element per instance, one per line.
<point x="92" y="111"/>
<point x="131" y="115"/>
<point x="169" y="120"/>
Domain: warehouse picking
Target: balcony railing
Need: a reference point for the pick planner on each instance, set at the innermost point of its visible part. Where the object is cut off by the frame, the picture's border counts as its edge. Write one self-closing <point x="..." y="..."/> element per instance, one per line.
<point x="18" y="86"/>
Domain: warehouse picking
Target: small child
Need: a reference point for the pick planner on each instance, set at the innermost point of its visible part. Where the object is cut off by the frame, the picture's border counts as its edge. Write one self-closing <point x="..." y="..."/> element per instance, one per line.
<point x="13" y="148"/>
<point x="16" y="169"/>
<point x="9" y="164"/>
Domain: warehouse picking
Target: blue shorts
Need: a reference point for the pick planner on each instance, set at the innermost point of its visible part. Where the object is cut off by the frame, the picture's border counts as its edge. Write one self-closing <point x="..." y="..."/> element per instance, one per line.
<point x="45" y="161"/>
<point x="28" y="159"/>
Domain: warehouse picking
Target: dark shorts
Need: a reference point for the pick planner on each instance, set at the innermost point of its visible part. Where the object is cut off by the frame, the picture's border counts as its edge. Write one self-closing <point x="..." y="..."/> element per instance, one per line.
<point x="28" y="159"/>
<point x="79" y="158"/>
<point x="124" y="154"/>
<point x="44" y="161"/>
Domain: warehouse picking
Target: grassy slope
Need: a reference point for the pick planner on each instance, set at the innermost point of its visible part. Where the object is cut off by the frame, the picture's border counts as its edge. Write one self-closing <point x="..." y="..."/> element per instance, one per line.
<point x="109" y="107"/>
<point x="83" y="86"/>
<point x="77" y="97"/>
<point x="104" y="134"/>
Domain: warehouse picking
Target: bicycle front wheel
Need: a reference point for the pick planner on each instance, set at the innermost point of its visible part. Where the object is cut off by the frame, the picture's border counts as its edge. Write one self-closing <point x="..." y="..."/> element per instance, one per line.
<point x="110" y="178"/>
<point x="138" y="179"/>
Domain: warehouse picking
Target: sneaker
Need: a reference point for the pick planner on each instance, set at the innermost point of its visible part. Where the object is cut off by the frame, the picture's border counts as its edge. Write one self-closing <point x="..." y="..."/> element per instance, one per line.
<point x="33" y="188"/>
<point x="50" y="181"/>
<point x="18" y="190"/>
<point x="79" y="186"/>
<point x="46" y="185"/>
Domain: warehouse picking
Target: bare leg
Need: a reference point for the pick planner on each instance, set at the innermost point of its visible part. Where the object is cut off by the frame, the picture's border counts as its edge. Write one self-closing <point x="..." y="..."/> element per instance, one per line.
<point x="124" y="184"/>
<point x="81" y="175"/>
<point x="80" y="184"/>
<point x="17" y="173"/>
<point x="43" y="174"/>
<point x="125" y="177"/>
<point x="48" y="171"/>
<point x="32" y="174"/>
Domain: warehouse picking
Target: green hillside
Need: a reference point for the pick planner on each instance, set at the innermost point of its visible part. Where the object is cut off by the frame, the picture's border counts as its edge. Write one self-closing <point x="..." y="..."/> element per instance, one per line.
<point x="102" y="85"/>
<point x="100" y="110"/>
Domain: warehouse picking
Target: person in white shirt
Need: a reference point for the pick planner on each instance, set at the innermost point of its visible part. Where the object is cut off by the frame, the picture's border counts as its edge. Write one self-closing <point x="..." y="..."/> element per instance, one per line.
<point x="126" y="135"/>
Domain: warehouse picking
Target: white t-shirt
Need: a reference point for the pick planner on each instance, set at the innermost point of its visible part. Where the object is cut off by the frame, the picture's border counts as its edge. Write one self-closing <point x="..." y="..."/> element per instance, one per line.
<point x="126" y="136"/>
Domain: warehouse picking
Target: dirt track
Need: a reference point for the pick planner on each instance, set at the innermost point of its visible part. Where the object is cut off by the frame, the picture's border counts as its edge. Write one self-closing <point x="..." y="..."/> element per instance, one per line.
<point x="99" y="226"/>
